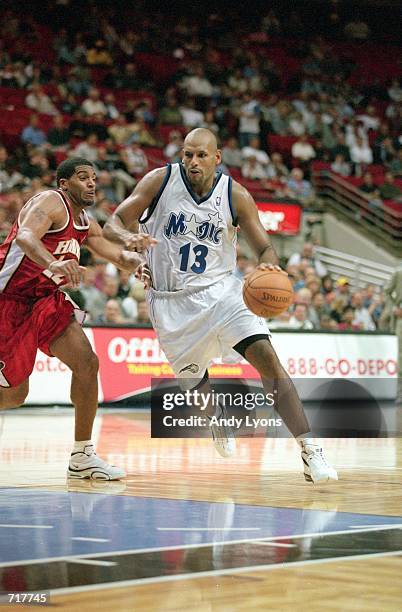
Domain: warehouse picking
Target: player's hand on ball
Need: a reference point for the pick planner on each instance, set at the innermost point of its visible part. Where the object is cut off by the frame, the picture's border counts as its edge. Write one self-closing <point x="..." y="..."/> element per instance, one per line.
<point x="68" y="269"/>
<point x="268" y="266"/>
<point x="139" y="242"/>
<point x="143" y="274"/>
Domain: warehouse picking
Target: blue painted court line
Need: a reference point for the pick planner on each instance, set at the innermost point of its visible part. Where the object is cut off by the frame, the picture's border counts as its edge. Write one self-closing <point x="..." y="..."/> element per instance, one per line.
<point x="135" y="523"/>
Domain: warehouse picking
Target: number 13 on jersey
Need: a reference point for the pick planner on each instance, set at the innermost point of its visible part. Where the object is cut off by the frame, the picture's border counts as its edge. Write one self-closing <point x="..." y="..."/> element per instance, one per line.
<point x="200" y="252"/>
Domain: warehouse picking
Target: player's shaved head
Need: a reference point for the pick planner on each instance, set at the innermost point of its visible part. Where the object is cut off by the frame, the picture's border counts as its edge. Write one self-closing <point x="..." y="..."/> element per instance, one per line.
<point x="201" y="137"/>
<point x="201" y="156"/>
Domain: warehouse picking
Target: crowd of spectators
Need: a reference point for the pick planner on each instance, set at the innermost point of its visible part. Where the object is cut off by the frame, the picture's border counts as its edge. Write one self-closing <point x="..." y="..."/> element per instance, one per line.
<point x="102" y="103"/>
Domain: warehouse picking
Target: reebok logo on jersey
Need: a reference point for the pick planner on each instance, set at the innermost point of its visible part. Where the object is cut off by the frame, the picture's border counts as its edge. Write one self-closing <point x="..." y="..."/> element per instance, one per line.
<point x="208" y="230"/>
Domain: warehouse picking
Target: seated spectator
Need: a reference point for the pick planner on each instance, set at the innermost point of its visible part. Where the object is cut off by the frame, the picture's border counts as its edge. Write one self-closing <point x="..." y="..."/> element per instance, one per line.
<point x="88" y="149"/>
<point x="36" y="164"/>
<point x="173" y="147"/>
<point x="209" y="122"/>
<point x="298" y="187"/>
<point x="96" y="125"/>
<point x="58" y="135"/>
<point x="388" y="190"/>
<point x="370" y="119"/>
<point x="277" y="169"/>
<point x="102" y="210"/>
<point x="341" y="147"/>
<point x="302" y="149"/>
<point x="112" y="162"/>
<point x="298" y="319"/>
<point x="32" y="134"/>
<point x="9" y="177"/>
<point x="192" y="118"/>
<point x="94" y="298"/>
<point x="111" y="315"/>
<point x="253" y="150"/>
<point x="129" y="79"/>
<point x="357" y="29"/>
<point x="327" y="323"/>
<point x="296" y="124"/>
<point x="368" y="186"/>
<point x="105" y="185"/>
<point x="197" y="84"/>
<point x="98" y="54"/>
<point x="93" y="104"/>
<point x="347" y="320"/>
<point x="327" y="284"/>
<point x="144" y="113"/>
<point x="40" y="102"/>
<point x="340" y="166"/>
<point x="281" y="321"/>
<point x="142" y="319"/>
<point x="78" y="125"/>
<point x="249" y="119"/>
<point x="143" y="135"/>
<point x="362" y="316"/>
<point x="170" y="114"/>
<point x="253" y="169"/>
<point x="231" y="154"/>
<point x="395" y="91"/>
<point x="342" y="290"/>
<point x="360" y="154"/>
<point x="111" y="108"/>
<point x="135" y="159"/>
<point x="395" y="166"/>
<point x="308" y="254"/>
<point x="121" y="131"/>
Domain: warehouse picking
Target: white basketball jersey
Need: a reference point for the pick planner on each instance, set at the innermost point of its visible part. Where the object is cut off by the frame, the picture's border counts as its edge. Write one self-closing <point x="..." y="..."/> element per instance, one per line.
<point x="197" y="236"/>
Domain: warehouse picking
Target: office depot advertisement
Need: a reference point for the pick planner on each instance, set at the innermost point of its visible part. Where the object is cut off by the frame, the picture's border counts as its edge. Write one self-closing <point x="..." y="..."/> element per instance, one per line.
<point x="129" y="358"/>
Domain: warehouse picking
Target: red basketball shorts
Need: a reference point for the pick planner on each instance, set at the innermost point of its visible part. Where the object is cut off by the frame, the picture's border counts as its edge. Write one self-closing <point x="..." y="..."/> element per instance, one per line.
<point x="26" y="326"/>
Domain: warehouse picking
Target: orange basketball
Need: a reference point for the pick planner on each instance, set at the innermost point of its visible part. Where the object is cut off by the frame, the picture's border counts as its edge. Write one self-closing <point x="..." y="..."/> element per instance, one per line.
<point x="267" y="293"/>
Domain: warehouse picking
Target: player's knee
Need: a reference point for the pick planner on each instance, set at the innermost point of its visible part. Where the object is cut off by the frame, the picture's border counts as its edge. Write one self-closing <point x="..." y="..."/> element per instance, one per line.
<point x="91" y="363"/>
<point x="12" y="398"/>
<point x="264" y="358"/>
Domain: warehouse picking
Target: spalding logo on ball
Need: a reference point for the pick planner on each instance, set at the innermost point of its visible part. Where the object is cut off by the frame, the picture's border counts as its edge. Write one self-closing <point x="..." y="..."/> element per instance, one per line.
<point x="267" y="293"/>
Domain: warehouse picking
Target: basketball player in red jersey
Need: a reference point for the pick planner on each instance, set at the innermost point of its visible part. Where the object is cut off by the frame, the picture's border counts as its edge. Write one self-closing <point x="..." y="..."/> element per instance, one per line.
<point x="40" y="256"/>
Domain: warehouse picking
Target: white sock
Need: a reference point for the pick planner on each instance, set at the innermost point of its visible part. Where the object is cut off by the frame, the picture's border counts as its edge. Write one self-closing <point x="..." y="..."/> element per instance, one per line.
<point x="80" y="445"/>
<point x="306" y="440"/>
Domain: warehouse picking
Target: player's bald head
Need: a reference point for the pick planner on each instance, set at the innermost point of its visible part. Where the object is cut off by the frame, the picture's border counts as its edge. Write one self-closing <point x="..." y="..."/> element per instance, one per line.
<point x="201" y="138"/>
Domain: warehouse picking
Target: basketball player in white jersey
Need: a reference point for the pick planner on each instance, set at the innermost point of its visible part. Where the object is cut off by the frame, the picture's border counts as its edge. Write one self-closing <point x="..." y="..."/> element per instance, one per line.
<point x="195" y="300"/>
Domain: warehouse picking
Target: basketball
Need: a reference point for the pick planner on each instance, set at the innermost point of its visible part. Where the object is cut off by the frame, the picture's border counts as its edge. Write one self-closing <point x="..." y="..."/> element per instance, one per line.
<point x="267" y="293"/>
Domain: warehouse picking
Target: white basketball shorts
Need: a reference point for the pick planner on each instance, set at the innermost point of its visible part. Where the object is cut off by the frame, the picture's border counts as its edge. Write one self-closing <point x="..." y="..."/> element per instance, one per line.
<point x="195" y="326"/>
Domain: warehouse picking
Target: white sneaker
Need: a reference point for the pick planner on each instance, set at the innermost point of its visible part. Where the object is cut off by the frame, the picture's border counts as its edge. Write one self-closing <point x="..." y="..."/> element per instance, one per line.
<point x="316" y="467"/>
<point x="88" y="465"/>
<point x="222" y="435"/>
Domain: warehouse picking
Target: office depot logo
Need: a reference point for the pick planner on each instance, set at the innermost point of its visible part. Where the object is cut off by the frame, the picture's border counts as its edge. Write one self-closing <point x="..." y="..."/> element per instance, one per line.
<point x="135" y="350"/>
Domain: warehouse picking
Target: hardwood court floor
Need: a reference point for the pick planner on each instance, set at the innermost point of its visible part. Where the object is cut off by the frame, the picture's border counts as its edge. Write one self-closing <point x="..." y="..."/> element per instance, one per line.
<point x="180" y="528"/>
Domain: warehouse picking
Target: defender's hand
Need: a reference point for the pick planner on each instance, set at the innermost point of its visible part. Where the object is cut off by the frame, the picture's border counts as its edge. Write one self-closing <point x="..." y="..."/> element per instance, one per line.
<point x="70" y="270"/>
<point x="139" y="242"/>
<point x="131" y="261"/>
<point x="143" y="274"/>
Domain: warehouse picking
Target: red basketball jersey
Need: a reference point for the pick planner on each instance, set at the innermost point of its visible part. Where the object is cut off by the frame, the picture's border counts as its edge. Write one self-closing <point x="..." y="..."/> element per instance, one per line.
<point x="20" y="276"/>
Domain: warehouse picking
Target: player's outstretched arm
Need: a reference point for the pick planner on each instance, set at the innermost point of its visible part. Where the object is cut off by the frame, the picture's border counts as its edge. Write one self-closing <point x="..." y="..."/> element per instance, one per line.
<point x="122" y="226"/>
<point x="102" y="247"/>
<point x="45" y="212"/>
<point x="250" y="224"/>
